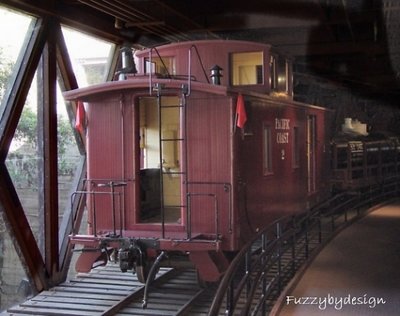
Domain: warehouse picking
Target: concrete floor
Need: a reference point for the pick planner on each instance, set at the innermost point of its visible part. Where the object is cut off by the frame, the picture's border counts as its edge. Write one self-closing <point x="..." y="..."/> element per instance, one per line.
<point x="357" y="273"/>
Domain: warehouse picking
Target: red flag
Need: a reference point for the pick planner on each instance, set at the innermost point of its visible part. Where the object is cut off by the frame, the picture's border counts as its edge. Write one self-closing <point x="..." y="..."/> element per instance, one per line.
<point x="241" y="116"/>
<point x="80" y="117"/>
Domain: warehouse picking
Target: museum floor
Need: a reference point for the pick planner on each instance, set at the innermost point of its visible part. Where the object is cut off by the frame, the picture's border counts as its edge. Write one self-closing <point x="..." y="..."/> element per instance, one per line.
<point x="357" y="273"/>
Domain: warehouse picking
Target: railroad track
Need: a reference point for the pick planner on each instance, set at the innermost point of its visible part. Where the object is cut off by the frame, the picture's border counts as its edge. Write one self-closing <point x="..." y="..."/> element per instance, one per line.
<point x="107" y="291"/>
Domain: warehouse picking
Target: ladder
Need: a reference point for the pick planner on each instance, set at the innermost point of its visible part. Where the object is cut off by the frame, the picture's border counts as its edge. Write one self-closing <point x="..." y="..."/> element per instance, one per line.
<point x="168" y="142"/>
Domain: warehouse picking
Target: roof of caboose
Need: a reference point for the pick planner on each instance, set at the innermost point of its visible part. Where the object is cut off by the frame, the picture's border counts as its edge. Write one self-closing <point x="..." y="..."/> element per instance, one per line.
<point x="229" y="44"/>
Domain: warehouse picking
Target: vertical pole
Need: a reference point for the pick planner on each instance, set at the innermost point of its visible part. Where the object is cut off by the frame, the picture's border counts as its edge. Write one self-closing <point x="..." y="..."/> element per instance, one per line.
<point x="189" y="216"/>
<point x="248" y="272"/>
<point x="278" y="236"/>
<point x="159" y="104"/>
<point x="50" y="143"/>
<point x="229" y="299"/>
<point x="216" y="217"/>
<point x="264" y="273"/>
<point x="185" y="158"/>
<point x="113" y="208"/>
<point x="93" y="194"/>
<point x="294" y="242"/>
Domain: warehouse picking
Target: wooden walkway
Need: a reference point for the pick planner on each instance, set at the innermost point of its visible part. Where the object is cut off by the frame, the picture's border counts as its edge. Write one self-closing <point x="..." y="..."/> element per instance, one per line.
<point x="87" y="294"/>
<point x="107" y="291"/>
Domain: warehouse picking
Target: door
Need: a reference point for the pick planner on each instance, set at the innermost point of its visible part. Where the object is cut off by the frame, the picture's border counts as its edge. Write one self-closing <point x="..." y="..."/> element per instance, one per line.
<point x="160" y="148"/>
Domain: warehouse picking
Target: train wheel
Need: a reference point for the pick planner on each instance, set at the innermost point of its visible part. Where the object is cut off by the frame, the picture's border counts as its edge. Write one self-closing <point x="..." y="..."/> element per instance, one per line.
<point x="142" y="273"/>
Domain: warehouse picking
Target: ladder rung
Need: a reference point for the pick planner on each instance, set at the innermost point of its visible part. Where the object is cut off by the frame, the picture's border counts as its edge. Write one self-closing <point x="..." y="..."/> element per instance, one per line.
<point x="173" y="172"/>
<point x="172" y="139"/>
<point x="171" y="106"/>
<point x="174" y="206"/>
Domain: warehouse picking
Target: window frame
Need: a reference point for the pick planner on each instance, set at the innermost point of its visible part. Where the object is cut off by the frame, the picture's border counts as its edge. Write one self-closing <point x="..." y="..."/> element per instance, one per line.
<point x="165" y="65"/>
<point x="267" y="149"/>
<point x="259" y="69"/>
<point x="296" y="147"/>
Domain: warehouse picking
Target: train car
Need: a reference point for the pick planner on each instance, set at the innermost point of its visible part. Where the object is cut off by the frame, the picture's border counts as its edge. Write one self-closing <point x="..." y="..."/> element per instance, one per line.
<point x="193" y="150"/>
<point x="360" y="159"/>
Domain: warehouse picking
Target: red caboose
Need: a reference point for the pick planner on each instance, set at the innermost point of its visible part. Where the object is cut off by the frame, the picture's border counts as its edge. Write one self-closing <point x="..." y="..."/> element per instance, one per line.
<point x="180" y="167"/>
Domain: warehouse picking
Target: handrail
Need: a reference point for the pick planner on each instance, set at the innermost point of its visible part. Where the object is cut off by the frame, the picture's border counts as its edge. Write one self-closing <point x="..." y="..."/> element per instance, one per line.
<point x="190" y="67"/>
<point x="89" y="186"/>
<point x="285" y="245"/>
<point x="189" y="213"/>
<point x="151" y="73"/>
<point x="227" y="187"/>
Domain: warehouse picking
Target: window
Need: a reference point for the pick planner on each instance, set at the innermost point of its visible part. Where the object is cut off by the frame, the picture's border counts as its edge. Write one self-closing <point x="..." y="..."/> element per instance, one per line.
<point x="280" y="74"/>
<point x="164" y="66"/>
<point x="12" y="47"/>
<point x="296" y="148"/>
<point x="17" y="29"/>
<point x="247" y="68"/>
<point x="267" y="150"/>
<point x="272" y="71"/>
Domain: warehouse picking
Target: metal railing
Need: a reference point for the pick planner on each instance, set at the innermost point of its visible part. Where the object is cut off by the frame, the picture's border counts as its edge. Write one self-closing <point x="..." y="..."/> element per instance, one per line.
<point x="262" y="269"/>
<point x="216" y="198"/>
<point x="93" y="188"/>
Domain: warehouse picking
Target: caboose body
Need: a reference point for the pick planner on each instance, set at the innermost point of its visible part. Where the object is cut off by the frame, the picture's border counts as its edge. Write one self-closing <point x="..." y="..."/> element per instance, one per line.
<point x="179" y="167"/>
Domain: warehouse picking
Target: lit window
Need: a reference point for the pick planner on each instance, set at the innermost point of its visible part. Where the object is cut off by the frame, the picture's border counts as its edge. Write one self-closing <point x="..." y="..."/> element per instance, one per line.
<point x="164" y="66"/>
<point x="267" y="150"/>
<point x="247" y="68"/>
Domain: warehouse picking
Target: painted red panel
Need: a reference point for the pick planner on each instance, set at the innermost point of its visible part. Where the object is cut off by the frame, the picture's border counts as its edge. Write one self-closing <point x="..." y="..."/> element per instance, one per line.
<point x="285" y="190"/>
<point x="109" y="154"/>
<point x="209" y="161"/>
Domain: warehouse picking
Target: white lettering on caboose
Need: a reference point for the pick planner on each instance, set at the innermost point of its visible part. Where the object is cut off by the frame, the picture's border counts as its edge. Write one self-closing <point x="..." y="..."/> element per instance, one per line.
<point x="282" y="124"/>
